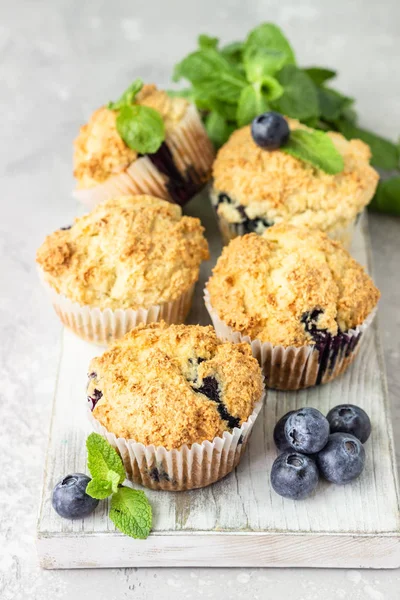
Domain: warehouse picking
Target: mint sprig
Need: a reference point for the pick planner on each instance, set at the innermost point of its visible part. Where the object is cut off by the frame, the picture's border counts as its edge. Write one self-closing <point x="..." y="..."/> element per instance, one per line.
<point x="130" y="510"/>
<point x="303" y="93"/>
<point x="141" y="127"/>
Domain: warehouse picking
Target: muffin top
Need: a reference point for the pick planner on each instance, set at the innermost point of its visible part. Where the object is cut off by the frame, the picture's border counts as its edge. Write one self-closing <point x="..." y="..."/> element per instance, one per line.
<point x="99" y="149"/>
<point x="129" y="252"/>
<point x="276" y="186"/>
<point x="289" y="285"/>
<point x="175" y="385"/>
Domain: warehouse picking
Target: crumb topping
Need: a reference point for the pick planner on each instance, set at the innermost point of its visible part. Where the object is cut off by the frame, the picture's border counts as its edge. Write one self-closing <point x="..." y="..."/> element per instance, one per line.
<point x="129" y="252"/>
<point x="276" y="186"/>
<point x="99" y="151"/>
<point x="266" y="286"/>
<point x="166" y="385"/>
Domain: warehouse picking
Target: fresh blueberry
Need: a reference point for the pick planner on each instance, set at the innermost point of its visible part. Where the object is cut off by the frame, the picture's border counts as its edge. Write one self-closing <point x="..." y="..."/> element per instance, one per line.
<point x="350" y="419"/>
<point x="307" y="430"/>
<point x="294" y="475"/>
<point x="279" y="433"/>
<point x="342" y="459"/>
<point x="70" y="499"/>
<point x="270" y="130"/>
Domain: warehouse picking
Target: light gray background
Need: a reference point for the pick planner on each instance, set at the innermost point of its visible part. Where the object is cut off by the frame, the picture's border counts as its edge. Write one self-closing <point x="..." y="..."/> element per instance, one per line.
<point x="59" y="59"/>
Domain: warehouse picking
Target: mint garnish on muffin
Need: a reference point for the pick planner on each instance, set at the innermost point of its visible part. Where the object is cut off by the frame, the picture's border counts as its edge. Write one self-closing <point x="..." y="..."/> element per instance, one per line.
<point x="130" y="511"/>
<point x="271" y="131"/>
<point x="141" y="127"/>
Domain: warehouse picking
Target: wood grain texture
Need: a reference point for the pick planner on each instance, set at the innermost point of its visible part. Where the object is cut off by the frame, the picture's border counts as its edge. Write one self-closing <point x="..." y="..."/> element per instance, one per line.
<point x="238" y="521"/>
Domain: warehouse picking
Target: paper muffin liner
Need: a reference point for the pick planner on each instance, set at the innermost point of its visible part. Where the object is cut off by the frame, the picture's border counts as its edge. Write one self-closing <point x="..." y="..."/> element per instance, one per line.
<point x="295" y="368"/>
<point x="184" y="469"/>
<point x="104" y="326"/>
<point x="192" y="153"/>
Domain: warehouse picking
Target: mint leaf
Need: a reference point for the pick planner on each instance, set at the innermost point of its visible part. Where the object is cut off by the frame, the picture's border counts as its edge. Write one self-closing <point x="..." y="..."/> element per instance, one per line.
<point x="233" y="52"/>
<point x="205" y="41"/>
<point x="251" y="104"/>
<point x="387" y="197"/>
<point x="98" y="488"/>
<point x="103" y="460"/>
<point x="262" y="62"/>
<point x="223" y="86"/>
<point x="218" y="128"/>
<point x="299" y="99"/>
<point x="385" y="154"/>
<point x="131" y="512"/>
<point x="319" y="74"/>
<point x="128" y="96"/>
<point x="268" y="35"/>
<point x="316" y="148"/>
<point x="202" y="65"/>
<point x="141" y="128"/>
<point x="332" y="103"/>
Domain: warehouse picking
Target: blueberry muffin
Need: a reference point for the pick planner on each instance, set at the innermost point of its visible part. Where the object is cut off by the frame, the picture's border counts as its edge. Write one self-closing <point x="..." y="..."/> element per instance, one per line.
<point x="298" y="297"/>
<point x="255" y="188"/>
<point x="105" y="166"/>
<point x="177" y="402"/>
<point x="132" y="260"/>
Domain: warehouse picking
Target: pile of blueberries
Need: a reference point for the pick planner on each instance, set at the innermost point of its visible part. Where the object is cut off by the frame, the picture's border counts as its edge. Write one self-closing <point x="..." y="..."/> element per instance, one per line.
<point x="312" y="445"/>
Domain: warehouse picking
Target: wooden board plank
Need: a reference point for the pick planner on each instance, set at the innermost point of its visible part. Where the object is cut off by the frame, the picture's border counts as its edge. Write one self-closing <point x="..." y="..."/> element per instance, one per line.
<point x="238" y="521"/>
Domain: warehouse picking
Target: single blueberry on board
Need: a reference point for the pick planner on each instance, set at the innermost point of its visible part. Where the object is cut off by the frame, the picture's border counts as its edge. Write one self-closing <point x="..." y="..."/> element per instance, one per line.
<point x="294" y="475"/>
<point x="270" y="130"/>
<point x="307" y="430"/>
<point x="69" y="498"/>
<point x="279" y="433"/>
<point x="349" y="418"/>
<point x="342" y="459"/>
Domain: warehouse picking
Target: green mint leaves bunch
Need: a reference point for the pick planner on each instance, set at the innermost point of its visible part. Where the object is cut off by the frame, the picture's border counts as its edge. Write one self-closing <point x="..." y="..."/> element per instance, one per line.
<point x="141" y="127"/>
<point x="233" y="84"/>
<point x="130" y="510"/>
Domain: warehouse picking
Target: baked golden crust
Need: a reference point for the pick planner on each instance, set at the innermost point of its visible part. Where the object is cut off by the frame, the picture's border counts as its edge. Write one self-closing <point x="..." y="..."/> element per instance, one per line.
<point x="265" y="286"/>
<point x="278" y="187"/>
<point x="99" y="150"/>
<point x="129" y="252"/>
<point x="150" y="384"/>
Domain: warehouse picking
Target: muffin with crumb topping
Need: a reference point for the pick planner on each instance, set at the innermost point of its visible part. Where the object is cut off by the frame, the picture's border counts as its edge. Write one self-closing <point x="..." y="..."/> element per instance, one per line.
<point x="178" y="403"/>
<point x="299" y="299"/>
<point x="255" y="188"/>
<point x="132" y="260"/>
<point x="105" y="166"/>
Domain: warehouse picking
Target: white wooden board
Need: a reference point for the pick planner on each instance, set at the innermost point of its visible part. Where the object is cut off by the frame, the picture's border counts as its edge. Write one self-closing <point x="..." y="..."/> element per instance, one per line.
<point x="238" y="521"/>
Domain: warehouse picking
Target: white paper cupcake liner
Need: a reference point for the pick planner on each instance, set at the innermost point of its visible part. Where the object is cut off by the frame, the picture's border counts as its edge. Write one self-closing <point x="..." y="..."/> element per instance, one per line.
<point x="192" y="153"/>
<point x="293" y="368"/>
<point x="184" y="469"/>
<point x="104" y="326"/>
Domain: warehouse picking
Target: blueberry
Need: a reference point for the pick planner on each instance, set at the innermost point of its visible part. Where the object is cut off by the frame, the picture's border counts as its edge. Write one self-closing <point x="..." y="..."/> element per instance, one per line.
<point x="94" y="398"/>
<point x="307" y="430"/>
<point x="70" y="499"/>
<point x="65" y="228"/>
<point x="294" y="475"/>
<point x="279" y="433"/>
<point x="270" y="130"/>
<point x="350" y="419"/>
<point x="342" y="459"/>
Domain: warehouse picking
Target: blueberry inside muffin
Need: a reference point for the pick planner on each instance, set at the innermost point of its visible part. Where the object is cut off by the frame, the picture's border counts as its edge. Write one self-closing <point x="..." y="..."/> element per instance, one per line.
<point x="293" y="286"/>
<point x="175" y="385"/>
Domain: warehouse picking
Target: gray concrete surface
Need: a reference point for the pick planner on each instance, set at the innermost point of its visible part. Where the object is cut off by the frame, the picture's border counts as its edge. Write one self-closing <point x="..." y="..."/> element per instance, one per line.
<point x="58" y="60"/>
